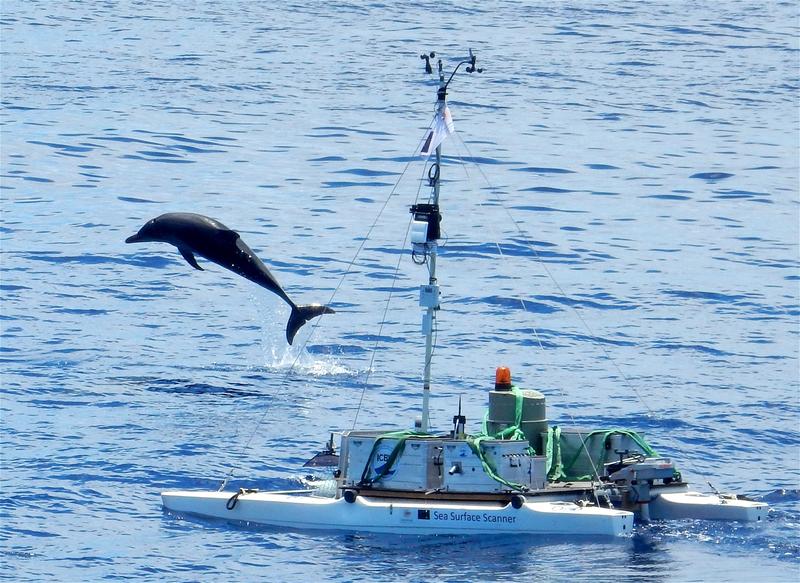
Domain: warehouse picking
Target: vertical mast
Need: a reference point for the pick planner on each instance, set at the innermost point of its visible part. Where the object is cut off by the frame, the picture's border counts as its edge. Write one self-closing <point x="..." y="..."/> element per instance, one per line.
<point x="427" y="217"/>
<point x="429" y="322"/>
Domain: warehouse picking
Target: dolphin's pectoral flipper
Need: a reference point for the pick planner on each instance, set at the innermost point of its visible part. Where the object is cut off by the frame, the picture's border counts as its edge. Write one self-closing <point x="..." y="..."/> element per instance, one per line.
<point x="302" y="314"/>
<point x="189" y="257"/>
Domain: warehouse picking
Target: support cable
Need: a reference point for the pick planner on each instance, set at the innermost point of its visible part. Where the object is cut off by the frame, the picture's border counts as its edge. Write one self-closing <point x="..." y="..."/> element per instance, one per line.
<point x="525" y="238"/>
<point x="317" y="323"/>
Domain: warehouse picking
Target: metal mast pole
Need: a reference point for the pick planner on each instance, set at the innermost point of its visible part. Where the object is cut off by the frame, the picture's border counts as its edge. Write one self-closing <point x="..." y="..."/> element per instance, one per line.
<point x="430" y="314"/>
<point x="429" y="294"/>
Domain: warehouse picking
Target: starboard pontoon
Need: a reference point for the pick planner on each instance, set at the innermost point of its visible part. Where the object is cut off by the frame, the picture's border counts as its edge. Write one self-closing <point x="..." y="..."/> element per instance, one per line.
<point x="519" y="475"/>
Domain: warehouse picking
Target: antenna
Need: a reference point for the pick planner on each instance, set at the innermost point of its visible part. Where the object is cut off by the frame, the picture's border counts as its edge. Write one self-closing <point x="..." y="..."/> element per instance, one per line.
<point x="459" y="421"/>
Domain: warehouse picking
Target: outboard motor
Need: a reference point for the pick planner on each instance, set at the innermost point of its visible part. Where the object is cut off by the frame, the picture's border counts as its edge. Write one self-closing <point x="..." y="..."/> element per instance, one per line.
<point x="635" y="475"/>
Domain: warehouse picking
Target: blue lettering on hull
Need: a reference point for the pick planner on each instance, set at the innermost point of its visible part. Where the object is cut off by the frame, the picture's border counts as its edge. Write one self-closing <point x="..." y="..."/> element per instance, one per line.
<point x="454" y="516"/>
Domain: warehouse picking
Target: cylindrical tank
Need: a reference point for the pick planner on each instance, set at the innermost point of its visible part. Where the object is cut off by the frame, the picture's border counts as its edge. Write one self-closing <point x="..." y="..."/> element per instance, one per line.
<point x="502" y="414"/>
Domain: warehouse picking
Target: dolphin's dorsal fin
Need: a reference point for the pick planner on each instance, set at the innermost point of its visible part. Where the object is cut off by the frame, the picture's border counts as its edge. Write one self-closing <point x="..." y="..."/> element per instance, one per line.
<point x="189" y="257"/>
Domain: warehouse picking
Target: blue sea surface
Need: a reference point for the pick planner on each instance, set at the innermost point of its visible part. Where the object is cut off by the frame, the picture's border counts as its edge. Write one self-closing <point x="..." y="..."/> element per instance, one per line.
<point x="621" y="225"/>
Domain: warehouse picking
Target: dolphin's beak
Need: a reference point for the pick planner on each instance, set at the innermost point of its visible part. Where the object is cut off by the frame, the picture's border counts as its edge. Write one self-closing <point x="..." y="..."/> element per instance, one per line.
<point x="133" y="238"/>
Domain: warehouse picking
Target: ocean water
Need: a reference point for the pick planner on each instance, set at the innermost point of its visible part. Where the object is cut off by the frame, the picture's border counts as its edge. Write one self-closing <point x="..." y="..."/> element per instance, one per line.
<point x="620" y="209"/>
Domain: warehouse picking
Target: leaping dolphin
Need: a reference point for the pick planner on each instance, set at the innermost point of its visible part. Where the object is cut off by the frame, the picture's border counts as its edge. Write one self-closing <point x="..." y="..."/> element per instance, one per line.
<point x="207" y="237"/>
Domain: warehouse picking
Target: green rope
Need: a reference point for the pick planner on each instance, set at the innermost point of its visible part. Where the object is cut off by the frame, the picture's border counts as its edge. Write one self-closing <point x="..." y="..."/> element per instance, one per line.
<point x="560" y="471"/>
<point x="475" y="444"/>
<point x="512" y="432"/>
<point x="645" y="447"/>
<point x="555" y="468"/>
<point x="401" y="437"/>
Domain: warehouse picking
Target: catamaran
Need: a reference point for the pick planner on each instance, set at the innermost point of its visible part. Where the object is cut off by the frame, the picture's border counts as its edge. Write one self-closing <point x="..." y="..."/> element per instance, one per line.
<point x="518" y="475"/>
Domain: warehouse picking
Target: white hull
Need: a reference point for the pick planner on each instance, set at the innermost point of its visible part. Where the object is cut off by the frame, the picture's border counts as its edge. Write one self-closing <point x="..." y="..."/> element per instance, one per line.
<point x="398" y="516"/>
<point x="678" y="505"/>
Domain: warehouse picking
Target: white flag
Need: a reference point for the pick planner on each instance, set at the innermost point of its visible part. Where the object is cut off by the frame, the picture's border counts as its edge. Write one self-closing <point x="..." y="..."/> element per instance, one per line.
<point x="441" y="127"/>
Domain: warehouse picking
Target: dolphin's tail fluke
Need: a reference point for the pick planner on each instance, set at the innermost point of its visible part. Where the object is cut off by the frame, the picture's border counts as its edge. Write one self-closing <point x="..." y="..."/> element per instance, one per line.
<point x="302" y="314"/>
